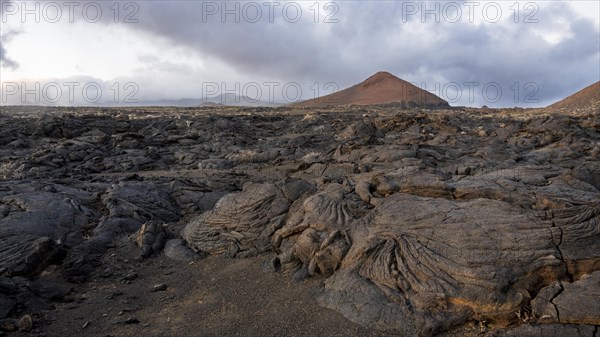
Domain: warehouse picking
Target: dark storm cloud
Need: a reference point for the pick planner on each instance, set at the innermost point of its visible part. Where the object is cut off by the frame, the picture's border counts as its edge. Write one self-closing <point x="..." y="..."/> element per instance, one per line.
<point x="6" y="62"/>
<point x="522" y="56"/>
<point x="303" y="49"/>
<point x="6" y="36"/>
<point x="383" y="35"/>
<point x="373" y="36"/>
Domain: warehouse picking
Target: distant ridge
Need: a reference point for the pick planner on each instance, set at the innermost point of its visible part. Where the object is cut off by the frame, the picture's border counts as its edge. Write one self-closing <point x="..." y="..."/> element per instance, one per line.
<point x="220" y="100"/>
<point x="584" y="101"/>
<point x="381" y="88"/>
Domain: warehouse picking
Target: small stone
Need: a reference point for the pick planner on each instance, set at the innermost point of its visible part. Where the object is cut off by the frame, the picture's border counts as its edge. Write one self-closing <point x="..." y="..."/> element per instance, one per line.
<point x="132" y="320"/>
<point x="159" y="287"/>
<point x="132" y="275"/>
<point x="25" y="323"/>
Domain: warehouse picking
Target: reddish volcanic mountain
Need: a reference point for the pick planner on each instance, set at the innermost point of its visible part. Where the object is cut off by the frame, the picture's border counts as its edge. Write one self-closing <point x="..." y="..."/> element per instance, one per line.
<point x="381" y="88"/>
<point x="582" y="102"/>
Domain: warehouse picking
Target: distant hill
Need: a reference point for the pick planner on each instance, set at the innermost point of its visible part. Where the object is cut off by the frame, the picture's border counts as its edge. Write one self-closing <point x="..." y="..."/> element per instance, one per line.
<point x="227" y="100"/>
<point x="582" y="102"/>
<point x="381" y="88"/>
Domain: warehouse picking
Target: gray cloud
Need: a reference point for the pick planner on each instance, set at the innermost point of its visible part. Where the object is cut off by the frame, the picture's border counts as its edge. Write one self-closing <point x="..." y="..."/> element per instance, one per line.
<point x="5" y="61"/>
<point x="373" y="36"/>
<point x="380" y="35"/>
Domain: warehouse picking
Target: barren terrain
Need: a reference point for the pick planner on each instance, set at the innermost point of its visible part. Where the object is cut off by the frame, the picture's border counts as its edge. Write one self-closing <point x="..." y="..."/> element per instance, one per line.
<point x="343" y="221"/>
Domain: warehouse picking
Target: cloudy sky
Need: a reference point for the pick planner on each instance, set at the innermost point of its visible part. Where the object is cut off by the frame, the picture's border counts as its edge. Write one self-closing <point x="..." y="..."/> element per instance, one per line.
<point x="473" y="53"/>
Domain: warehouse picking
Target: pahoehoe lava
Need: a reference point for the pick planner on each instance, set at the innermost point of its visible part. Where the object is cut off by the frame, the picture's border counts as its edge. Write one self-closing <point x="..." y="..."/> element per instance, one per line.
<point x="417" y="221"/>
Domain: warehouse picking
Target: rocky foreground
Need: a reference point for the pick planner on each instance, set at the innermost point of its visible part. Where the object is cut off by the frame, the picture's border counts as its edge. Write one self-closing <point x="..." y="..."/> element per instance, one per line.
<point x="413" y="222"/>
